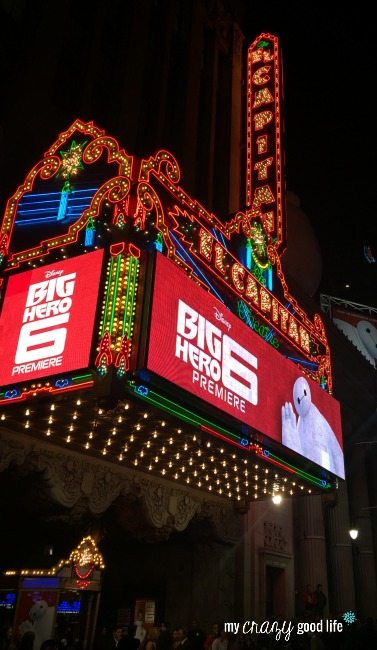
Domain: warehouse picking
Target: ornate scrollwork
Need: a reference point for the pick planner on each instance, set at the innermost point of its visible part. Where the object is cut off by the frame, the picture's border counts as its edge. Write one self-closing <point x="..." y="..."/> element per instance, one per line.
<point x="106" y="488"/>
<point x="162" y="163"/>
<point x="95" y="149"/>
<point x="226" y="523"/>
<point x="12" y="452"/>
<point x="48" y="167"/>
<point x="186" y="509"/>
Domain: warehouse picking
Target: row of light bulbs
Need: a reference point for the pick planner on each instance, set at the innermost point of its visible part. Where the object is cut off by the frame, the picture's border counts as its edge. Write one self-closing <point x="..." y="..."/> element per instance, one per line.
<point x="194" y="467"/>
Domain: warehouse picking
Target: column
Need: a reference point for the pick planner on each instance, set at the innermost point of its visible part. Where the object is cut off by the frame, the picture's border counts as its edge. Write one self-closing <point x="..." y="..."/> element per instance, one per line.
<point x="364" y="563"/>
<point x="311" y="567"/>
<point x="340" y="556"/>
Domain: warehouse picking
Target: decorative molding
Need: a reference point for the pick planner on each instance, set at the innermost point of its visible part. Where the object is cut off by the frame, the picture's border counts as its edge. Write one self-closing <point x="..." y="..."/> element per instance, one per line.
<point x="227" y="524"/>
<point x="274" y="537"/>
<point x="84" y="483"/>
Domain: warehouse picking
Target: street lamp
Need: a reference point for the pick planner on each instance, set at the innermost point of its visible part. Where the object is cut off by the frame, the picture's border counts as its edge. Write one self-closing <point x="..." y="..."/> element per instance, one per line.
<point x="353" y="533"/>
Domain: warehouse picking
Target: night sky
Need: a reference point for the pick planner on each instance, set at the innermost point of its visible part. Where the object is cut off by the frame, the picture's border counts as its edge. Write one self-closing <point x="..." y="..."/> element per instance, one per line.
<point x="330" y="132"/>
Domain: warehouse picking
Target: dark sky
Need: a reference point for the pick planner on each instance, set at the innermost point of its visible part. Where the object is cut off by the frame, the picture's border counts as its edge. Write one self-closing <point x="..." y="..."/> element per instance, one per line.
<point x="330" y="130"/>
<point x="330" y="133"/>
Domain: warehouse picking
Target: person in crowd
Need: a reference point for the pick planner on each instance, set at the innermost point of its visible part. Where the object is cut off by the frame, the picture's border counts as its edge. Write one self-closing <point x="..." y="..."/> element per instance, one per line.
<point x="50" y="644"/>
<point x="128" y="642"/>
<point x="101" y="639"/>
<point x="150" y="641"/>
<point x="8" y="641"/>
<point x="319" y="601"/>
<point x="27" y="641"/>
<point x="196" y="636"/>
<point x="367" y="635"/>
<point x="308" y="599"/>
<point x="175" y="639"/>
<point x="221" y="642"/>
<point x="115" y="641"/>
<point x="164" y="641"/>
<point x="215" y="631"/>
<point x="183" y="642"/>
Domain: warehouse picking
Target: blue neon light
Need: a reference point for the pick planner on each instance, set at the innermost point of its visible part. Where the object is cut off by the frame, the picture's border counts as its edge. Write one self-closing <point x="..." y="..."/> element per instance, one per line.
<point x="303" y="362"/>
<point x="63" y="206"/>
<point x="142" y="390"/>
<point x="59" y="206"/>
<point x="220" y="237"/>
<point x="12" y="393"/>
<point x="61" y="383"/>
<point x="249" y="257"/>
<point x="40" y="583"/>
<point x="184" y="254"/>
<point x="270" y="279"/>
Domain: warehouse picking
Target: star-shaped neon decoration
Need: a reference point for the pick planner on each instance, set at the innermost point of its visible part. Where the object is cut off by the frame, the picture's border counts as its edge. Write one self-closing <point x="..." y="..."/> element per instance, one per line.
<point x="258" y="245"/>
<point x="264" y="44"/>
<point x="72" y="159"/>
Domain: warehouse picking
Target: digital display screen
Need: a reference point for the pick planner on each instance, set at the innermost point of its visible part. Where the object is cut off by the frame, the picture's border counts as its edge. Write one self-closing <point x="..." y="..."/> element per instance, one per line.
<point x="47" y="319"/>
<point x="7" y="600"/>
<point x="199" y="345"/>
<point x="68" y="607"/>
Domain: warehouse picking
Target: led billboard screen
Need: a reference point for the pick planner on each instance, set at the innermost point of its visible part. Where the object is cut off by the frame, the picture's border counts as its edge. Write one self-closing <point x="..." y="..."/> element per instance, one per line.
<point x="196" y="343"/>
<point x="46" y="323"/>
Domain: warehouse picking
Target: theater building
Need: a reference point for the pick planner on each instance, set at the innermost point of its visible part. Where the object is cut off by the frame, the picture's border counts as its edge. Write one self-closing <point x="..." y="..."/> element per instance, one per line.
<point x="163" y="383"/>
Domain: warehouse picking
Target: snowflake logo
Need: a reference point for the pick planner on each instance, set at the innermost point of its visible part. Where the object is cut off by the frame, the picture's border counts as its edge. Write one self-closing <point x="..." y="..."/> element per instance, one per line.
<point x="349" y="617"/>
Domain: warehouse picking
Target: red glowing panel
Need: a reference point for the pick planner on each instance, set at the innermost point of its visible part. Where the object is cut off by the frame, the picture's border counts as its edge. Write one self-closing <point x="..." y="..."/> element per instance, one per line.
<point x="46" y="324"/>
<point x="199" y="345"/>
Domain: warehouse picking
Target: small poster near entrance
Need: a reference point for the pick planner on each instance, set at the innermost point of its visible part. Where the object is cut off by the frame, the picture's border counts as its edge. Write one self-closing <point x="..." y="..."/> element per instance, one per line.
<point x="145" y="615"/>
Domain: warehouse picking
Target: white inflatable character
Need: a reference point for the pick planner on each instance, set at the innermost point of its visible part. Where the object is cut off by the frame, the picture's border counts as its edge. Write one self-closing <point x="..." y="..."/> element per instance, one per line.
<point x="368" y="337"/>
<point x="311" y="435"/>
<point x="42" y="617"/>
<point x="363" y="336"/>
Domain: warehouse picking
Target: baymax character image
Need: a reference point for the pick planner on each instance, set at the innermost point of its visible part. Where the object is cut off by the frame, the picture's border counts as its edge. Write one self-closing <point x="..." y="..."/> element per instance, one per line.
<point x="41" y="621"/>
<point x="363" y="336"/>
<point x="310" y="435"/>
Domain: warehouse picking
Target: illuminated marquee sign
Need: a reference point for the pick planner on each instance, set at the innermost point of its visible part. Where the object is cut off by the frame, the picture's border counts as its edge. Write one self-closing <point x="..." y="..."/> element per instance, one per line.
<point x="47" y="319"/>
<point x="206" y="350"/>
<point x="264" y="184"/>
<point x="251" y="290"/>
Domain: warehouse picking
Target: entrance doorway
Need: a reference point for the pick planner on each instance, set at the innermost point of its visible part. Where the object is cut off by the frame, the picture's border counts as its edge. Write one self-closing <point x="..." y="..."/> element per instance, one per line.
<point x="275" y="591"/>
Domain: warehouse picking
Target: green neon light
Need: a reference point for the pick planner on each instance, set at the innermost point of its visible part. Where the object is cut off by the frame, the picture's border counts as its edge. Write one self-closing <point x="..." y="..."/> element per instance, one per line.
<point x="115" y="292"/>
<point x="88" y="376"/>
<point x="309" y="477"/>
<point x="127" y="297"/>
<point x="107" y="296"/>
<point x="182" y="412"/>
<point x="133" y="296"/>
<point x="190" y="417"/>
<point x="301" y="472"/>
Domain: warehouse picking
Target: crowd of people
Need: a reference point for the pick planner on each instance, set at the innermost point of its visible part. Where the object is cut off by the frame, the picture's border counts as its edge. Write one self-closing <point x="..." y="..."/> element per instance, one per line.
<point x="314" y="601"/>
<point x="358" y="636"/>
